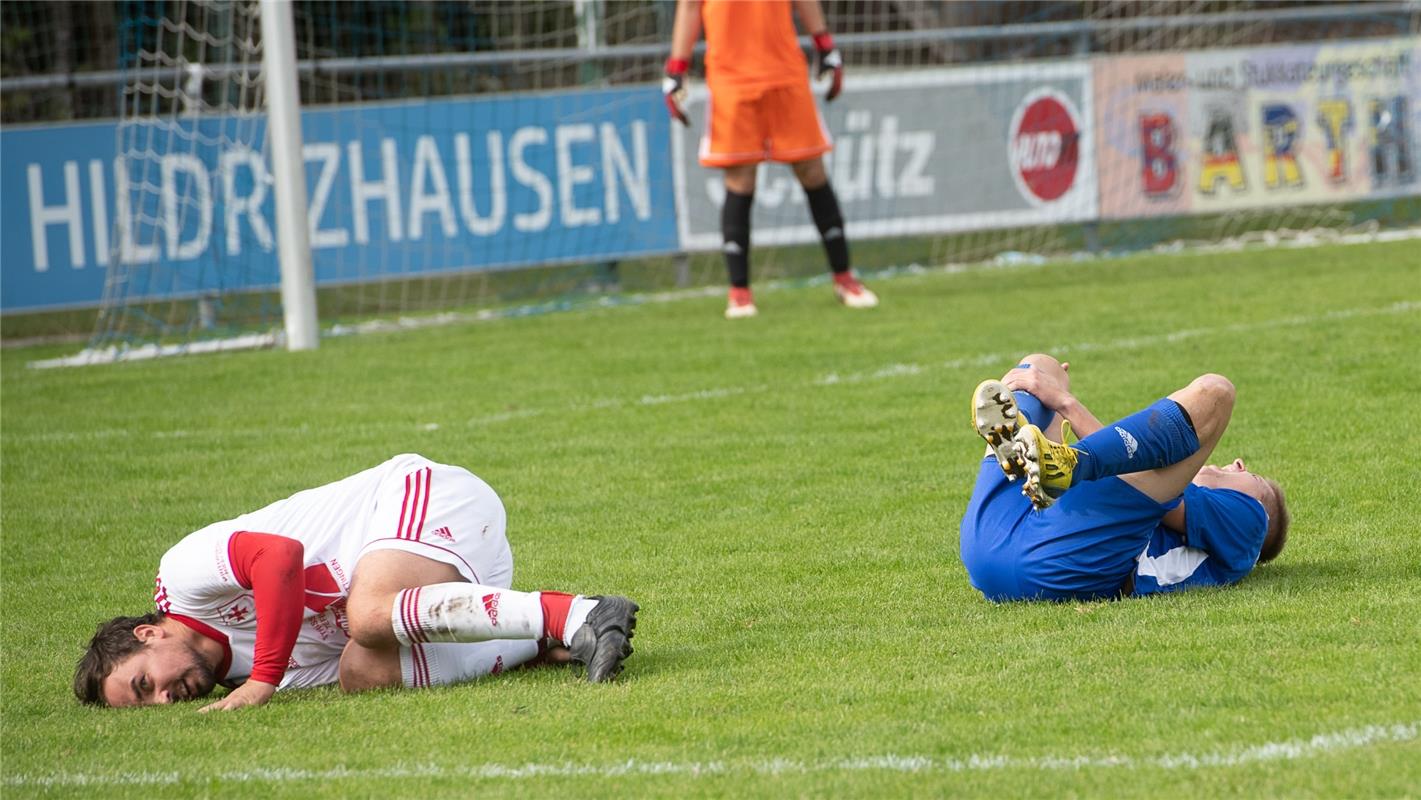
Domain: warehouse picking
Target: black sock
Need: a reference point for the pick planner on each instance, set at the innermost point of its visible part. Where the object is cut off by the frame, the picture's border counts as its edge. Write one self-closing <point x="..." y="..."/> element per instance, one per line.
<point x="735" y="230"/>
<point x="825" y="208"/>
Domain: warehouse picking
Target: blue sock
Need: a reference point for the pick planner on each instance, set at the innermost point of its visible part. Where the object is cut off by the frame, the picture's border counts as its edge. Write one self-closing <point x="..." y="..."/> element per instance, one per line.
<point x="1155" y="437"/>
<point x="1036" y="413"/>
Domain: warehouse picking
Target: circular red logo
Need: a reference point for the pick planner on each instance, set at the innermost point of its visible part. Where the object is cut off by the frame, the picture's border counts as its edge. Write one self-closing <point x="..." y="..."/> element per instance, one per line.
<point x="1045" y="145"/>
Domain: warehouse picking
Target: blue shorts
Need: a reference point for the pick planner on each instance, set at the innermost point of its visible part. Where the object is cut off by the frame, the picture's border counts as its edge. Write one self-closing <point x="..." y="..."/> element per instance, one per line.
<point x="1083" y="547"/>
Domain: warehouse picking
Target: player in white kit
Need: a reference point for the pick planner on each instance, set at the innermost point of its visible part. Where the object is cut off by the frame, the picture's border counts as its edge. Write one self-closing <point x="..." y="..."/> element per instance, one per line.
<point x="395" y="576"/>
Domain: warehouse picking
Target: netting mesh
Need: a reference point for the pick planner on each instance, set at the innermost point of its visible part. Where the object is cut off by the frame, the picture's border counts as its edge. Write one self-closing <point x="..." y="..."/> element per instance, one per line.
<point x="191" y="151"/>
<point x="190" y="127"/>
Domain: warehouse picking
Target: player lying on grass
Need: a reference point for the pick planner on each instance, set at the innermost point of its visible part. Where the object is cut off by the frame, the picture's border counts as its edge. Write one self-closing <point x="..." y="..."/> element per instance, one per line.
<point x="395" y="576"/>
<point x="1130" y="509"/>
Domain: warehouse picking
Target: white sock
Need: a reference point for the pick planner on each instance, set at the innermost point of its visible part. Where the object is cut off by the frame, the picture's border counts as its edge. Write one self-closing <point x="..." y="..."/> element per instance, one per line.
<point x="577" y="617"/>
<point x="465" y="612"/>
<point x="442" y="664"/>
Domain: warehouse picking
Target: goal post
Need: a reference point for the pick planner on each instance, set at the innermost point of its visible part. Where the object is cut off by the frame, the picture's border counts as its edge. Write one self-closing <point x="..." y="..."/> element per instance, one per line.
<point x="283" y="101"/>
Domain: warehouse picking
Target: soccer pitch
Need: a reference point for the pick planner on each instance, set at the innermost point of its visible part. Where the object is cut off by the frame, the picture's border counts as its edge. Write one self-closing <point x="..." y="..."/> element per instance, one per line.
<point x="781" y="495"/>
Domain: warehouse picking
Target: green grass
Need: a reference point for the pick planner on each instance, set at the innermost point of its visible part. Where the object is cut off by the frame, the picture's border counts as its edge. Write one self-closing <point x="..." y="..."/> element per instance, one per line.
<point x="782" y="496"/>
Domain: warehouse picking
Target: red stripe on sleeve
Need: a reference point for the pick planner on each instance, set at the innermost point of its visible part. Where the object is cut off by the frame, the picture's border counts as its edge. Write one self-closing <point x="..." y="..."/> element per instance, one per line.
<point x="270" y="566"/>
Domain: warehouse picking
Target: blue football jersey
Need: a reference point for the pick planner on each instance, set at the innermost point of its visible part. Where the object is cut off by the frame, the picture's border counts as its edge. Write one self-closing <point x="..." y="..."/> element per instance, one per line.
<point x="1222" y="539"/>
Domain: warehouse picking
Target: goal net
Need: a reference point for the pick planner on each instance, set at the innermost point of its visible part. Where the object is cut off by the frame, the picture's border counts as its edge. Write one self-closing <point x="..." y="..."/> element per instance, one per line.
<point x="189" y="257"/>
<point x="461" y="157"/>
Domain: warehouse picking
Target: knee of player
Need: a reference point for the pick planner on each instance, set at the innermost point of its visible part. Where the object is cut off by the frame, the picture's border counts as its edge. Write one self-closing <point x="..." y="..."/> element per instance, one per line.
<point x="1047" y="365"/>
<point x="369" y="621"/>
<point x="1217" y="388"/>
<point x="811" y="173"/>
<point x="1040" y="360"/>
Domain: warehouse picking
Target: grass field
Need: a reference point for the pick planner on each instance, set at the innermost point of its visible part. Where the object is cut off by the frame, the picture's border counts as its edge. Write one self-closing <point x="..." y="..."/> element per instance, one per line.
<point x="782" y="497"/>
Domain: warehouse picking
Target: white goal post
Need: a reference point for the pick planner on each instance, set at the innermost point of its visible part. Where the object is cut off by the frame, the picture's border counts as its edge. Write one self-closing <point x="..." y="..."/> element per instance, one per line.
<point x="283" y="111"/>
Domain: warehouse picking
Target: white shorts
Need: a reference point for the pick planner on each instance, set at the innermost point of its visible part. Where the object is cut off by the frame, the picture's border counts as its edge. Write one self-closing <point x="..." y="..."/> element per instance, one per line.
<point x="446" y="514"/>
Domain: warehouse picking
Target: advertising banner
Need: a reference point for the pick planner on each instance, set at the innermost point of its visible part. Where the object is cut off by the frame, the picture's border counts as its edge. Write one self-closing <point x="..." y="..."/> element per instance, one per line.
<point x="1214" y="131"/>
<point x="394" y="190"/>
<point x="921" y="152"/>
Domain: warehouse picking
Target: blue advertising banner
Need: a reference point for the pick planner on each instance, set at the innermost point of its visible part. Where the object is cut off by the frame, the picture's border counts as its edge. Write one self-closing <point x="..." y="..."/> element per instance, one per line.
<point x="396" y="190"/>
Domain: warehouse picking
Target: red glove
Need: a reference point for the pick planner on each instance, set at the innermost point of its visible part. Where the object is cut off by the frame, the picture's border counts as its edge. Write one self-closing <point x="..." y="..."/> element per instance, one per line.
<point x="828" y="59"/>
<point x="673" y="86"/>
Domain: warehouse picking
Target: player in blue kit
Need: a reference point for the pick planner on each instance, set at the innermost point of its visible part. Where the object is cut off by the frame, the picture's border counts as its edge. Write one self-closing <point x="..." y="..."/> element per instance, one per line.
<point x="1132" y="508"/>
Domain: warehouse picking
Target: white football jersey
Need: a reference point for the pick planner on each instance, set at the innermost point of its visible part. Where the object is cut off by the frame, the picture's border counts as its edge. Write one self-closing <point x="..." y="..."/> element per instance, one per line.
<point x="196" y="584"/>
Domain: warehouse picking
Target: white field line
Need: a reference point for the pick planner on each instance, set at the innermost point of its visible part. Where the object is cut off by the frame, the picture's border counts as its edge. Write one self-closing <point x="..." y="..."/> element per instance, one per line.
<point x="1288" y="750"/>
<point x="997" y="360"/>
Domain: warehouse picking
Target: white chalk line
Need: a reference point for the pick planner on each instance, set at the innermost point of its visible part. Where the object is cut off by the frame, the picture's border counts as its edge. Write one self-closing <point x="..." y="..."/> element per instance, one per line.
<point x="1287" y="750"/>
<point x="889" y="371"/>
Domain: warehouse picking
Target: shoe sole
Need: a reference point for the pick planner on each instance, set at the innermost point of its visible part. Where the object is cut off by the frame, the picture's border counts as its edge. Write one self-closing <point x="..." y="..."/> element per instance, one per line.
<point x="1025" y="449"/>
<point x="998" y="420"/>
<point x="738" y="312"/>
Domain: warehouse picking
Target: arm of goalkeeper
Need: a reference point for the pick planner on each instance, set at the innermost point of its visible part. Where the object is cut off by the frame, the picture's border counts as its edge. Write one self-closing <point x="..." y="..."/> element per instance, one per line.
<point x="827" y="59"/>
<point x="673" y="87"/>
<point x="685" y="30"/>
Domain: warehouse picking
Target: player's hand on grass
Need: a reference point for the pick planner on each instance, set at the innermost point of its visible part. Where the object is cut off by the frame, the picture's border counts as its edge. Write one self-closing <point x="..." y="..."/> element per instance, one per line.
<point x="673" y="87"/>
<point x="251" y="693"/>
<point x="828" y="59"/>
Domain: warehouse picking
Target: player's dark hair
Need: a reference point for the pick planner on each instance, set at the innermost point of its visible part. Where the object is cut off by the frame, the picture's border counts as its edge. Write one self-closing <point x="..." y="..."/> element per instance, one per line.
<point x="1278" y="520"/>
<point x="112" y="643"/>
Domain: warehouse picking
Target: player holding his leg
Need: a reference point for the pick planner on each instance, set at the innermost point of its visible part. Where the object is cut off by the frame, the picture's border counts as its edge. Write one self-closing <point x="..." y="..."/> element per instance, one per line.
<point x="395" y="576"/>
<point x="761" y="109"/>
<point x="1131" y="508"/>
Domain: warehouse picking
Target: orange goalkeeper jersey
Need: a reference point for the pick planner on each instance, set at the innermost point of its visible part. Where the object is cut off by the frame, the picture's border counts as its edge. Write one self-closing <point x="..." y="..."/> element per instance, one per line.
<point x="751" y="43"/>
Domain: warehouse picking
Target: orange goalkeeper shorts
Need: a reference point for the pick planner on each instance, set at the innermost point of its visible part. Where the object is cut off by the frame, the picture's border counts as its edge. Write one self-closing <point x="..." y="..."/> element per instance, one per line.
<point x="750" y="124"/>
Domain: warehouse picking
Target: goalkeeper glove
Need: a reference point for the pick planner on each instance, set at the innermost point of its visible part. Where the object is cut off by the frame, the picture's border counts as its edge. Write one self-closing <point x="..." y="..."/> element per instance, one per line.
<point x="673" y="86"/>
<point x="827" y="56"/>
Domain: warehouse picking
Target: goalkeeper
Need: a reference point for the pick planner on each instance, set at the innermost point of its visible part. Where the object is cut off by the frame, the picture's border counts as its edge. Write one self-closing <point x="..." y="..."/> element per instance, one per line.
<point x="1130" y="509"/>
<point x="761" y="109"/>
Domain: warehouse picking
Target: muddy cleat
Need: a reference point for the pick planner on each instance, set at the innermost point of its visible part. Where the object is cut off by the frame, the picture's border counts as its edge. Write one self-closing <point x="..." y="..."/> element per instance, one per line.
<point x="604" y="641"/>
<point x="997" y="419"/>
<point x="740" y="304"/>
<point x="852" y="293"/>
<point x="1048" y="465"/>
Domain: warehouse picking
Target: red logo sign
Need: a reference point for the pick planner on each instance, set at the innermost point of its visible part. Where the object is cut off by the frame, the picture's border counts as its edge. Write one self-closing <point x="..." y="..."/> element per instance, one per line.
<point x="491" y="608"/>
<point x="1045" y="146"/>
<point x="239" y="611"/>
